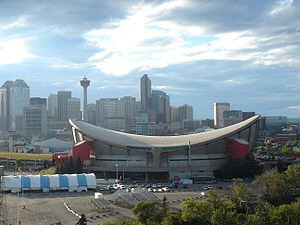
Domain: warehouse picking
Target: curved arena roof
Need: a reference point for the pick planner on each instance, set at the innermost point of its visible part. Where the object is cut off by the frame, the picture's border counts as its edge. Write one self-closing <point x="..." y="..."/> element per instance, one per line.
<point x="125" y="139"/>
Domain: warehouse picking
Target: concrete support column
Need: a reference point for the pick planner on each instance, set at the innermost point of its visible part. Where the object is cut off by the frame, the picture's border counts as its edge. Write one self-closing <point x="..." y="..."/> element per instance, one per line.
<point x="156" y="157"/>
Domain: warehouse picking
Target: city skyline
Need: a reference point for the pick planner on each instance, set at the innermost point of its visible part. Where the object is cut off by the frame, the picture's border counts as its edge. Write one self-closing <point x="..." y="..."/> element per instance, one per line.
<point x="197" y="52"/>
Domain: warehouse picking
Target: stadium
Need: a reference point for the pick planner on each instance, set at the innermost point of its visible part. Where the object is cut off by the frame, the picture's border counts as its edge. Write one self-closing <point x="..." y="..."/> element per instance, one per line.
<point x="113" y="154"/>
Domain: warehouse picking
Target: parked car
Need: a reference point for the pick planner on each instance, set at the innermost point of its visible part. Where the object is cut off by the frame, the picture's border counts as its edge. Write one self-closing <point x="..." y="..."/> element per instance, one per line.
<point x="166" y="189"/>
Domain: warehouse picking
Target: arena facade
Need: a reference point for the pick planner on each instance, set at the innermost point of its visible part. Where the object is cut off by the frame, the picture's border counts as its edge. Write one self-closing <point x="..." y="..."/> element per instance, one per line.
<point x="128" y="156"/>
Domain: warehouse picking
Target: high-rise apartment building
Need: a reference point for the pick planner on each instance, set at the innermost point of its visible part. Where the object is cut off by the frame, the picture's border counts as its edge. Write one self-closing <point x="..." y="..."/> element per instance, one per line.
<point x="145" y="93"/>
<point x="110" y="113"/>
<point x="219" y="108"/>
<point x="62" y="100"/>
<point x="73" y="108"/>
<point x="35" y="118"/>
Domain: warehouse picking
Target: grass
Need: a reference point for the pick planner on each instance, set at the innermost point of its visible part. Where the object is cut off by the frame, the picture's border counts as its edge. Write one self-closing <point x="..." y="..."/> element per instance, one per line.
<point x="25" y="156"/>
<point x="50" y="171"/>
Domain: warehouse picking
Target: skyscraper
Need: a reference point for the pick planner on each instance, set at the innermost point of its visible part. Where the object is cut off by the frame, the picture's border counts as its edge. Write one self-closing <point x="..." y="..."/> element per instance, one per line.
<point x="110" y="113"/>
<point x="73" y="108"/>
<point x="52" y="107"/>
<point x="185" y="112"/>
<point x="145" y="93"/>
<point x="219" y="108"/>
<point x="129" y="109"/>
<point x="85" y="83"/>
<point x="14" y="96"/>
<point x="160" y="103"/>
<point x="35" y="118"/>
<point x="62" y="100"/>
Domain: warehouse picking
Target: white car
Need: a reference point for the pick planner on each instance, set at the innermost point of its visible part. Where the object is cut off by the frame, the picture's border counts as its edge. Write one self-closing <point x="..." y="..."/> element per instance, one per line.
<point x="166" y="189"/>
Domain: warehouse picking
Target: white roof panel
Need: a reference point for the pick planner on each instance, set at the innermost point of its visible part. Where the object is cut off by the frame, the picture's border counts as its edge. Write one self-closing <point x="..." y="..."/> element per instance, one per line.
<point x="125" y="139"/>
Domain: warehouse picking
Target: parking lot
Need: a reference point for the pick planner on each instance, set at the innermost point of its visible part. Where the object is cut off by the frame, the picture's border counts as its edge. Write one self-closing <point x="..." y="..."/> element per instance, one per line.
<point x="49" y="208"/>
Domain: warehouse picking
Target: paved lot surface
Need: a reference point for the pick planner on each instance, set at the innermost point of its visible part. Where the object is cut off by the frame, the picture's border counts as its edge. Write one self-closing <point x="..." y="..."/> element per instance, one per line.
<point x="49" y="208"/>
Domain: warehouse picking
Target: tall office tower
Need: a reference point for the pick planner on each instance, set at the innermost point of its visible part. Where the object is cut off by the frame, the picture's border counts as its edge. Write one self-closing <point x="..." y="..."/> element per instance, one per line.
<point x="185" y="112"/>
<point x="174" y="114"/>
<point x="91" y="113"/>
<point x="35" y="118"/>
<point x="38" y="101"/>
<point x="110" y="113"/>
<point x="6" y="105"/>
<point x="138" y="109"/>
<point x="62" y="100"/>
<point x="219" y="108"/>
<point x="17" y="97"/>
<point x="232" y="117"/>
<point x="85" y="83"/>
<point x="52" y="107"/>
<point x="160" y="103"/>
<point x="73" y="108"/>
<point x="3" y="111"/>
<point x="145" y="93"/>
<point x="129" y="109"/>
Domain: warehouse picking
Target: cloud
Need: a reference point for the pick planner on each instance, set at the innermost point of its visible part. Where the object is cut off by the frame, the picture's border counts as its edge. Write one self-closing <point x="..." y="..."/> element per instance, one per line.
<point x="295" y="107"/>
<point x="148" y="38"/>
<point x="282" y="6"/>
<point x="20" y="22"/>
<point x="13" y="51"/>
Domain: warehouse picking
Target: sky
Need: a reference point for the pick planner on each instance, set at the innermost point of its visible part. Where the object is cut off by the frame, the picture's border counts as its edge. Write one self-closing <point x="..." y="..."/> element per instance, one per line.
<point x="198" y="51"/>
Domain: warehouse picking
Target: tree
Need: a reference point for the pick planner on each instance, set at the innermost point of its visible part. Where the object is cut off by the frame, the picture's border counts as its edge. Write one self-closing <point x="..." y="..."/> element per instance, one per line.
<point x="286" y="214"/>
<point x="165" y="207"/>
<point x="78" y="166"/>
<point x="122" y="222"/>
<point x="273" y="187"/>
<point x="240" y="196"/>
<point x="82" y="220"/>
<point x="223" y="216"/>
<point x="18" y="163"/>
<point x="148" y="213"/>
<point x="293" y="176"/>
<point x="196" y="212"/>
<point x="240" y="168"/>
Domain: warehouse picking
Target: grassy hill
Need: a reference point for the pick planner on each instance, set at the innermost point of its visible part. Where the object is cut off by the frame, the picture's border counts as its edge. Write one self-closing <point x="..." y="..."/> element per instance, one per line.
<point x="25" y="156"/>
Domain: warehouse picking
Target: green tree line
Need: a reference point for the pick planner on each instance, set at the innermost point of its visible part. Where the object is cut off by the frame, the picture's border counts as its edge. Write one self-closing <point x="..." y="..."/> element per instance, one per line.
<point x="271" y="200"/>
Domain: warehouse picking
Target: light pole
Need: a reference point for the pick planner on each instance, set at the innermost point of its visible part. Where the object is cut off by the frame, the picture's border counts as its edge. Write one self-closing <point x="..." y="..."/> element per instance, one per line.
<point x="117" y="171"/>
